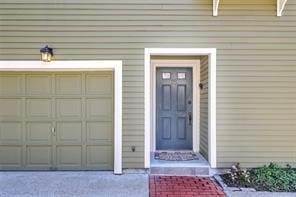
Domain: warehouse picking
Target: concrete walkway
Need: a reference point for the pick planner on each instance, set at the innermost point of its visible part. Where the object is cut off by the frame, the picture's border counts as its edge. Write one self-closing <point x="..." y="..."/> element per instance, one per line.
<point x="64" y="184"/>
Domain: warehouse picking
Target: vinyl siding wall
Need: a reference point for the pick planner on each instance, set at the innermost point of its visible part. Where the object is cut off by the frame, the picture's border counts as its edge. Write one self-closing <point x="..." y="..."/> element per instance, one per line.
<point x="204" y="106"/>
<point x="256" y="73"/>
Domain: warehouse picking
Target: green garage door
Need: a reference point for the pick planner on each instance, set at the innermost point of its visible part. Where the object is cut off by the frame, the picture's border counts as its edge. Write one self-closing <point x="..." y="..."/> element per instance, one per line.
<point x="56" y="121"/>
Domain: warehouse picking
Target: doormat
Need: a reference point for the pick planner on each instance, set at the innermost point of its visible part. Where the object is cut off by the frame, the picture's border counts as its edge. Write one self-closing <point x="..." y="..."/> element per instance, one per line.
<point x="175" y="156"/>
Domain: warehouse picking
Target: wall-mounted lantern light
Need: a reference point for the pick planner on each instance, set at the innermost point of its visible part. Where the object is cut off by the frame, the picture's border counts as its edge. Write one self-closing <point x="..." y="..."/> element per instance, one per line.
<point x="46" y="54"/>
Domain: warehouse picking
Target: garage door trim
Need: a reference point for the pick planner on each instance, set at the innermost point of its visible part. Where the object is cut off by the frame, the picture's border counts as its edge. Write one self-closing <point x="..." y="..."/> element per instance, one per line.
<point x="115" y="66"/>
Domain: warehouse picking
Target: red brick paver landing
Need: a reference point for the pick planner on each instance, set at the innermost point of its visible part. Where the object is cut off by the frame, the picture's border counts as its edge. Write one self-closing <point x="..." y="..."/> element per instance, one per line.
<point x="182" y="186"/>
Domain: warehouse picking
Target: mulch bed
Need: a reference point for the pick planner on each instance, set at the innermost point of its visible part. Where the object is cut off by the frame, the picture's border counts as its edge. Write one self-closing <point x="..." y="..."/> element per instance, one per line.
<point x="237" y="183"/>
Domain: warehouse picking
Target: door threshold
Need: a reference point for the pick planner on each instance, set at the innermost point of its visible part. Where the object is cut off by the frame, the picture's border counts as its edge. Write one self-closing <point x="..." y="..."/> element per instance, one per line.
<point x="174" y="151"/>
<point x="200" y="167"/>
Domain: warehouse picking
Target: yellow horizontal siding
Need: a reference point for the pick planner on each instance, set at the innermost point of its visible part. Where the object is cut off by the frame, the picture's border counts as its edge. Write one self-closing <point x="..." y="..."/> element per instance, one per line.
<point x="255" y="68"/>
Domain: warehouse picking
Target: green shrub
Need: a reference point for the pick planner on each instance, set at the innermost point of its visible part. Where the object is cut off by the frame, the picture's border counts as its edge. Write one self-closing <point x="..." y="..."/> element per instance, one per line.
<point x="275" y="178"/>
<point x="267" y="178"/>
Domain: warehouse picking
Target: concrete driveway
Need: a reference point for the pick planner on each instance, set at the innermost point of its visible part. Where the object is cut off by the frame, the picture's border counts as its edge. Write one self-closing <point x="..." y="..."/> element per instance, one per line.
<point x="65" y="184"/>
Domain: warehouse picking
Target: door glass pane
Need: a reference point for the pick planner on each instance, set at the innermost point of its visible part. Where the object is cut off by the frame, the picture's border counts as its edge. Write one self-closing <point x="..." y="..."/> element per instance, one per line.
<point x="166" y="75"/>
<point x="181" y="75"/>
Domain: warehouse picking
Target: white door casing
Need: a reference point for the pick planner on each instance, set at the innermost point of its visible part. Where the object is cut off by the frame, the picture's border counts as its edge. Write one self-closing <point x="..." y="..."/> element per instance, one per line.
<point x="211" y="53"/>
<point x="195" y="65"/>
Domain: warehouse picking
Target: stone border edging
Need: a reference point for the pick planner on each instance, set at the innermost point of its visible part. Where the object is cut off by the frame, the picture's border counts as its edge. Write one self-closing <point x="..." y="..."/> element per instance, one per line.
<point x="232" y="189"/>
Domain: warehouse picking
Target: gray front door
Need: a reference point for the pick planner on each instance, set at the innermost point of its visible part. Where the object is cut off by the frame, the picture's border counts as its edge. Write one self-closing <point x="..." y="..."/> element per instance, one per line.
<point x="174" y="109"/>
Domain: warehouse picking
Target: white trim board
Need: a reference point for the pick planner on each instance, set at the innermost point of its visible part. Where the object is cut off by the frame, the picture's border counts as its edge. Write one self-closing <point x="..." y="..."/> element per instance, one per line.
<point x="115" y="66"/>
<point x="211" y="53"/>
<point x="195" y="65"/>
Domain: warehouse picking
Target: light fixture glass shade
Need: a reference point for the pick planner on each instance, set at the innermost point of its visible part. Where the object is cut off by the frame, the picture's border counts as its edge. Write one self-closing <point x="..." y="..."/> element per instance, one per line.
<point x="46" y="57"/>
<point x="46" y="54"/>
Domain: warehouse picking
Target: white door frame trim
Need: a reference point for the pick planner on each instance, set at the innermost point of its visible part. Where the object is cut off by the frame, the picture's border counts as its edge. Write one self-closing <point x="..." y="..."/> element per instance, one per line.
<point x="211" y="53"/>
<point x="195" y="65"/>
<point x="115" y="66"/>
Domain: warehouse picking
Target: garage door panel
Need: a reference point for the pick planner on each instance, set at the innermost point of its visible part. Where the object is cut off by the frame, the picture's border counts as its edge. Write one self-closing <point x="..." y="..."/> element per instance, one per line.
<point x="39" y="156"/>
<point x="10" y="132"/>
<point x="69" y="132"/>
<point x="69" y="108"/>
<point x="69" y="157"/>
<point x="10" y="85"/>
<point x="100" y="108"/>
<point x="38" y="108"/>
<point x="10" y="156"/>
<point x="56" y="120"/>
<point x="39" y="132"/>
<point x="100" y="157"/>
<point x="38" y="84"/>
<point x="99" y="132"/>
<point x="68" y="84"/>
<point x="99" y="84"/>
<point x="10" y="108"/>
